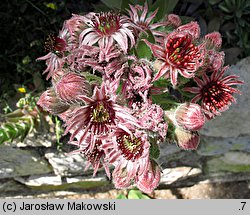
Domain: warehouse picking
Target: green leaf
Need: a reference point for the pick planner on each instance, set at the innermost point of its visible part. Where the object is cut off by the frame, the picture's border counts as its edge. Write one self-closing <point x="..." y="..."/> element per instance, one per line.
<point x="164" y="100"/>
<point x="213" y="25"/>
<point x="154" y="151"/>
<point x="230" y="5"/>
<point x="91" y="78"/>
<point x="223" y="7"/>
<point x="144" y="196"/>
<point x="125" y="4"/>
<point x="100" y="7"/>
<point x="113" y="3"/>
<point x="16" y="113"/>
<point x="31" y="123"/>
<point x="164" y="7"/>
<point x="135" y="194"/>
<point x="143" y="51"/>
<point x="239" y="13"/>
<point x="228" y="26"/>
<point x="26" y="60"/>
<point x="140" y="2"/>
<point x="20" y="129"/>
<point x="3" y="136"/>
<point x="161" y="83"/>
<point x="26" y="129"/>
<point x="9" y="130"/>
<point x="213" y="2"/>
<point x="121" y="196"/>
<point x="195" y="1"/>
<point x="186" y="19"/>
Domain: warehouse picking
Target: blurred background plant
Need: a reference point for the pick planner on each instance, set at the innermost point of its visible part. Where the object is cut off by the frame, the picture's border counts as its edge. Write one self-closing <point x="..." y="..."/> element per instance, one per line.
<point x="25" y="119"/>
<point x="230" y="17"/>
<point x="25" y="24"/>
<point x="133" y="194"/>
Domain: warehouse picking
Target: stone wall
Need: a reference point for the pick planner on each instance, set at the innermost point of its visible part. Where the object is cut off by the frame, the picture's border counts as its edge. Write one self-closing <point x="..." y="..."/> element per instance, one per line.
<point x="224" y="155"/>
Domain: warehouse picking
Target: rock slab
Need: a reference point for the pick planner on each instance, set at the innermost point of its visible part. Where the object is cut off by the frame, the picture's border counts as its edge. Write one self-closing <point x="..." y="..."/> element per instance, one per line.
<point x="17" y="162"/>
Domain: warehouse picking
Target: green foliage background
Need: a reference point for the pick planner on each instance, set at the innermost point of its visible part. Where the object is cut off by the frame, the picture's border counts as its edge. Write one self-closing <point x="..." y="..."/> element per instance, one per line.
<point x="24" y="25"/>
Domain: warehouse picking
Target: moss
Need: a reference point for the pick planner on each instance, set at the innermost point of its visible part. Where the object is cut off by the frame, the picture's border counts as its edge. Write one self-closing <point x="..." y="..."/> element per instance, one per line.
<point x="218" y="165"/>
<point x="238" y="146"/>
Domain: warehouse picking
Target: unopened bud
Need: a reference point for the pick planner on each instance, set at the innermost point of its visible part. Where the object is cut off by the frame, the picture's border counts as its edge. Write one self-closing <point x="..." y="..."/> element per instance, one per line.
<point x="189" y="116"/>
<point x="70" y="87"/>
<point x="188" y="140"/>
<point x="51" y="103"/>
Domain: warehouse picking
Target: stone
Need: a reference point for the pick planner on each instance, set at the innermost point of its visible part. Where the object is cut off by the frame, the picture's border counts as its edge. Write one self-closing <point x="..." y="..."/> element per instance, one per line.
<point x="39" y="180"/>
<point x="229" y="162"/>
<point x="85" y="179"/>
<point x="211" y="146"/>
<point x="234" y="122"/>
<point x="56" y="182"/>
<point x="167" y="149"/>
<point x="10" y="185"/>
<point x="237" y="158"/>
<point x="180" y="158"/>
<point x="16" y="162"/>
<point x="171" y="175"/>
<point x="164" y="194"/>
<point x="66" y="164"/>
<point x="36" y="140"/>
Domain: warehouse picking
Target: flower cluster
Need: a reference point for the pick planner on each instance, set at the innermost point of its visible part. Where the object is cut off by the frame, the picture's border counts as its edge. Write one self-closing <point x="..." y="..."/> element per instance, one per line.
<point x="124" y="84"/>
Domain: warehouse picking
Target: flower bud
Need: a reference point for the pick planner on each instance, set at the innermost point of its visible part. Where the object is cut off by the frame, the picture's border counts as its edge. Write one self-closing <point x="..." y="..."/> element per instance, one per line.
<point x="174" y="20"/>
<point x="192" y="28"/>
<point x="70" y="87"/>
<point x="188" y="140"/>
<point x="189" y="116"/>
<point x="150" y="179"/>
<point x="51" y="103"/>
<point x="215" y="59"/>
<point x="213" y="40"/>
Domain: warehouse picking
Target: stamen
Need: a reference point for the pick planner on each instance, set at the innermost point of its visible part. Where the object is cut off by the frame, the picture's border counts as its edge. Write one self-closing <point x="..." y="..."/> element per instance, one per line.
<point x="55" y="44"/>
<point x="216" y="96"/>
<point x="182" y="52"/>
<point x="131" y="147"/>
<point x="100" y="114"/>
<point x="107" y="23"/>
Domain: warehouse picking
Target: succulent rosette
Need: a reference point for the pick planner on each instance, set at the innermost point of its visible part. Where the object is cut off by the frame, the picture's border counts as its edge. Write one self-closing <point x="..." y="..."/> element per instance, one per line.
<point x="123" y="84"/>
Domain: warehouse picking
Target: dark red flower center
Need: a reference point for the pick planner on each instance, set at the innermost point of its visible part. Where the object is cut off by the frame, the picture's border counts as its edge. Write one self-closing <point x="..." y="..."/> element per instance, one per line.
<point x="55" y="44"/>
<point x="131" y="147"/>
<point x="96" y="154"/>
<point x="101" y="115"/>
<point x="107" y="23"/>
<point x="182" y="52"/>
<point x="216" y="96"/>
